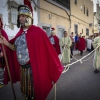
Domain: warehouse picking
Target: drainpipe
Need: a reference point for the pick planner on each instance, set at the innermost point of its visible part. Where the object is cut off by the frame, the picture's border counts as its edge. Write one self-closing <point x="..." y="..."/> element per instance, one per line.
<point x="38" y="10"/>
<point x="70" y="17"/>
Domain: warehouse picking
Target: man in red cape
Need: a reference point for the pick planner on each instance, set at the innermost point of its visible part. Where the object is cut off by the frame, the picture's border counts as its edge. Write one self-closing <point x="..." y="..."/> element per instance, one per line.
<point x="43" y="59"/>
<point x="81" y="44"/>
<point x="55" y="41"/>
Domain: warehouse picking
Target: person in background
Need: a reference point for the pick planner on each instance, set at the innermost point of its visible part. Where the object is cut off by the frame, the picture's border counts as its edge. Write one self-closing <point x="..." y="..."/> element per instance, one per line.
<point x="89" y="44"/>
<point x="65" y="44"/>
<point x="81" y="44"/>
<point x="35" y="63"/>
<point x="2" y="59"/>
<point x="96" y="61"/>
<point x="76" y="41"/>
<point x="72" y="46"/>
<point x="55" y="41"/>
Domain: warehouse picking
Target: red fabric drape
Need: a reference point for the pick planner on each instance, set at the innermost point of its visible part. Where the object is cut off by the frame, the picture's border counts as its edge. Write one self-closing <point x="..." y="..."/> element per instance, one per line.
<point x="56" y="45"/>
<point x="45" y="64"/>
<point x="81" y="44"/>
<point x="1" y="23"/>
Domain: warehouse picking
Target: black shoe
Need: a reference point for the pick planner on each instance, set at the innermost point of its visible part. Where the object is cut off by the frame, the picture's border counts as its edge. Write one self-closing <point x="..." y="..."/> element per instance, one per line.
<point x="96" y="71"/>
<point x="81" y="54"/>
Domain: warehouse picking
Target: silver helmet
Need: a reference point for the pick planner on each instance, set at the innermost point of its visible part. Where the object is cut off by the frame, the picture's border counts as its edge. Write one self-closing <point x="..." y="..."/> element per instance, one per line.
<point x="25" y="10"/>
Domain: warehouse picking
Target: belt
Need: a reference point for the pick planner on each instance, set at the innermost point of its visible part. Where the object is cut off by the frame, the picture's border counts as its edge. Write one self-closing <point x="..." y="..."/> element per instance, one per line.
<point x="26" y="66"/>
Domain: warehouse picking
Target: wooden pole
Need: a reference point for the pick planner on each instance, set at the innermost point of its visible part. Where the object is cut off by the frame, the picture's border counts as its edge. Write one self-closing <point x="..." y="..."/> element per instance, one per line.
<point x="8" y="69"/>
<point x="55" y="91"/>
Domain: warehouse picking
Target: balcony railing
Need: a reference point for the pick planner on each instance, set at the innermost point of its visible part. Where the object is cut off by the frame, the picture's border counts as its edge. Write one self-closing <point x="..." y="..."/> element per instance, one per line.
<point x="64" y="3"/>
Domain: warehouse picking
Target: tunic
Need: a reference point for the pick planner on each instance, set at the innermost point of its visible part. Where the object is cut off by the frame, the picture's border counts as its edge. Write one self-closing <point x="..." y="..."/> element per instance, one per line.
<point x="66" y="56"/>
<point x="96" y="61"/>
<point x="81" y="44"/>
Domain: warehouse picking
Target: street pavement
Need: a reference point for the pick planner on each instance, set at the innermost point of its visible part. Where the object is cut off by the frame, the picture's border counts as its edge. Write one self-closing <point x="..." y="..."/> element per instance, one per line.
<point x="78" y="83"/>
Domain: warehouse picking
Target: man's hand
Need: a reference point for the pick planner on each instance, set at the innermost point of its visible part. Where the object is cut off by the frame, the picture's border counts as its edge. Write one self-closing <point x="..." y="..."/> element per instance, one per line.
<point x="1" y="54"/>
<point x="3" y="40"/>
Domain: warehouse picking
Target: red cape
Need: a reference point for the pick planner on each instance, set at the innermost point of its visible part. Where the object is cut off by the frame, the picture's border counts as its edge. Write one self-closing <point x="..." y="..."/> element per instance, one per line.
<point x="10" y="61"/>
<point x="81" y="44"/>
<point x="46" y="66"/>
<point x="56" y="45"/>
<point x="3" y="33"/>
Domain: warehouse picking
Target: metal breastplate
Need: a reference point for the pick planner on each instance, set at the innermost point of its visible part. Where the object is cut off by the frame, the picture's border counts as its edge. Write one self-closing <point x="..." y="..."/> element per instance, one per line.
<point x="52" y="40"/>
<point x="22" y="50"/>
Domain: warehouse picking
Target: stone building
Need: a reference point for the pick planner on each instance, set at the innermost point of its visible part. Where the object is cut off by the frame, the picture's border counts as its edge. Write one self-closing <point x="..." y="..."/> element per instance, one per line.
<point x="97" y="19"/>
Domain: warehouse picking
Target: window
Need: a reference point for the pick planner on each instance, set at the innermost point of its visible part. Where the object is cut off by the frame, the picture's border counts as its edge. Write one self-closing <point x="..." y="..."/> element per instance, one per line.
<point x="75" y="1"/>
<point x="64" y="3"/>
<point x="76" y="29"/>
<point x="82" y="31"/>
<point x="60" y="33"/>
<point x="87" y="12"/>
<point x="84" y="9"/>
<point x="87" y="32"/>
<point x="47" y="30"/>
<point x="14" y="14"/>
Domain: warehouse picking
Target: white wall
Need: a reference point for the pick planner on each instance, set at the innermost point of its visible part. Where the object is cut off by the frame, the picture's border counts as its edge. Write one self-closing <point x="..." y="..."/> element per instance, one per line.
<point x="4" y="11"/>
<point x="95" y="2"/>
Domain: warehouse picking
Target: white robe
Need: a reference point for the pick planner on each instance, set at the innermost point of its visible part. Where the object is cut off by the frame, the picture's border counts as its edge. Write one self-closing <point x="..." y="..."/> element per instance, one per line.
<point x="89" y="42"/>
<point x="96" y="61"/>
<point x="66" y="55"/>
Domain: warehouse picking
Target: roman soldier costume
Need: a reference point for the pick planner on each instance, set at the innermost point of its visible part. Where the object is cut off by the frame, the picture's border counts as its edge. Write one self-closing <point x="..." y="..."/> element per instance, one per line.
<point x="55" y="41"/>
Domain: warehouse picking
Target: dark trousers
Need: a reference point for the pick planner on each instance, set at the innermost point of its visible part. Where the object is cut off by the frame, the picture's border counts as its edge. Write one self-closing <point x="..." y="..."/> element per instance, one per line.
<point x="71" y="49"/>
<point x="81" y="52"/>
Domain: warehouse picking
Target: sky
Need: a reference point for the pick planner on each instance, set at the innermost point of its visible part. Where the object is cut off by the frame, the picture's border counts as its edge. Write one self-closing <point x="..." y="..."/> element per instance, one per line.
<point x="95" y="2"/>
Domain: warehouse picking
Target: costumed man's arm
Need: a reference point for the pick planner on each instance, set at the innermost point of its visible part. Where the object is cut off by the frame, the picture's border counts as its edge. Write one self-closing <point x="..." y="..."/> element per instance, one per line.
<point x="61" y="43"/>
<point x="95" y="43"/>
<point x="4" y="41"/>
<point x="69" y="42"/>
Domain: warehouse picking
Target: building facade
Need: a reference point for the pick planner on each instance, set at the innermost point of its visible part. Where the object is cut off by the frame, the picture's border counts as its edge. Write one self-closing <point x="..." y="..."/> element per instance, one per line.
<point x="8" y="13"/>
<point x="97" y="19"/>
<point x="70" y="15"/>
<point x="82" y="17"/>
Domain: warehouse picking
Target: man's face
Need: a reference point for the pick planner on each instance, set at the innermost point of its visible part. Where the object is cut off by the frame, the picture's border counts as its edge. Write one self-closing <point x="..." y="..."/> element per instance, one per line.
<point x="65" y="34"/>
<point x="22" y="19"/>
<point x="52" y="33"/>
<point x="80" y="35"/>
<point x="72" y="34"/>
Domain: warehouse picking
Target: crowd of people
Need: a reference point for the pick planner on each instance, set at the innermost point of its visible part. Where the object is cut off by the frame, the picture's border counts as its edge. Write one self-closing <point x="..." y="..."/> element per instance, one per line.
<point x="70" y="43"/>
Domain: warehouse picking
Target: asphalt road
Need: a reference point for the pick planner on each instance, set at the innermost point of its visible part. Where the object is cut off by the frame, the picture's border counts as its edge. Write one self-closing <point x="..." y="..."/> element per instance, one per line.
<point x="78" y="83"/>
